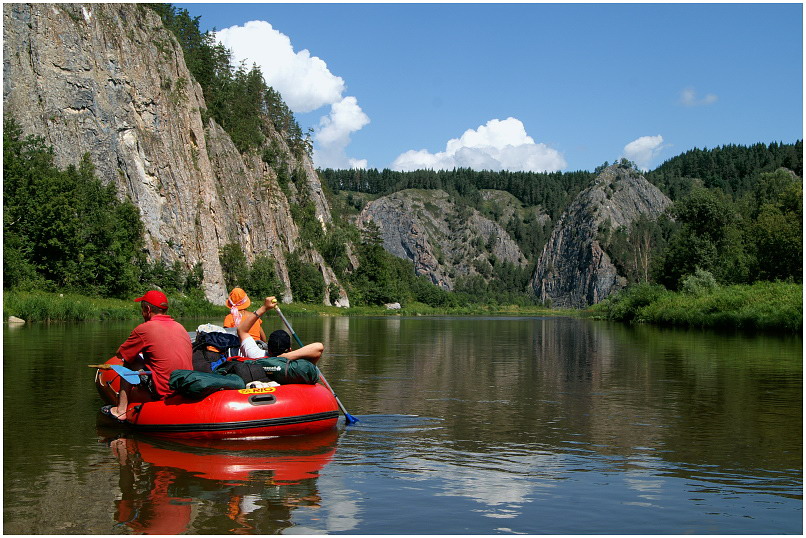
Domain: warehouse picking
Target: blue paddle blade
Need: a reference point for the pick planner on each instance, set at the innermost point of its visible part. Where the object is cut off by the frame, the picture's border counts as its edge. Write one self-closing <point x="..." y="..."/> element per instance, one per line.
<point x="349" y="419"/>
<point x="129" y="375"/>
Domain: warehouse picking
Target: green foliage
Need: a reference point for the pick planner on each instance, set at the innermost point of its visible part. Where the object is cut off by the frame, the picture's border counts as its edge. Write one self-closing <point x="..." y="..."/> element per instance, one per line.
<point x="710" y="237"/>
<point x="530" y="234"/>
<point x="310" y="229"/>
<point x="502" y="283"/>
<point x="633" y="249"/>
<point x="757" y="237"/>
<point x="373" y="282"/>
<point x="233" y="265"/>
<point x="263" y="280"/>
<point x="63" y="229"/>
<point x="627" y="304"/>
<point x="195" y="277"/>
<point x="762" y="306"/>
<point x="333" y="248"/>
<point x="307" y="283"/>
<point x="171" y="277"/>
<point x="552" y="191"/>
<point x="700" y="283"/>
<point x="258" y="279"/>
<point x="33" y="306"/>
<point x="732" y="168"/>
<point x="776" y="233"/>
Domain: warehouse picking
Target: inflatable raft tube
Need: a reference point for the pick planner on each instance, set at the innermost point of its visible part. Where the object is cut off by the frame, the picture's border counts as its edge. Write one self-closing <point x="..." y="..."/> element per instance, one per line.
<point x="229" y="414"/>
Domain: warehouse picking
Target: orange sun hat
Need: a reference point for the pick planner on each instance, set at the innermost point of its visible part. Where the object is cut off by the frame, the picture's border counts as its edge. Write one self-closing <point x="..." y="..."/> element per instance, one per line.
<point x="238" y="299"/>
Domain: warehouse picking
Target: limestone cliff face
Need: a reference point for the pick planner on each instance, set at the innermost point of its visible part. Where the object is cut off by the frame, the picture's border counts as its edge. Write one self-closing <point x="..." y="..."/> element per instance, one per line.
<point x="444" y="241"/>
<point x="573" y="270"/>
<point x="111" y="81"/>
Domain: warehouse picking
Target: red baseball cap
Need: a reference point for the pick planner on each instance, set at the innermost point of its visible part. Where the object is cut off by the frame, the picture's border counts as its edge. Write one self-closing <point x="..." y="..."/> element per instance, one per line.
<point x="157" y="298"/>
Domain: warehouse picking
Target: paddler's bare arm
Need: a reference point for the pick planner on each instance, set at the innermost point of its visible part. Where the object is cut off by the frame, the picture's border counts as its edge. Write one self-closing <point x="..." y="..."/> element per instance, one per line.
<point x="249" y="318"/>
<point x="311" y="352"/>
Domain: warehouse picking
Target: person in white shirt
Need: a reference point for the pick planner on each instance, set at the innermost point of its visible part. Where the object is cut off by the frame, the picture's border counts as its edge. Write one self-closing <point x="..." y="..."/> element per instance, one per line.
<point x="249" y="348"/>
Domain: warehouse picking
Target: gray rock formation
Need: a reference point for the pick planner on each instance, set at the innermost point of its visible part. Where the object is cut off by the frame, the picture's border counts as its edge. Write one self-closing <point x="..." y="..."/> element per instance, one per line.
<point x="443" y="240"/>
<point x="573" y="270"/>
<point x="111" y="81"/>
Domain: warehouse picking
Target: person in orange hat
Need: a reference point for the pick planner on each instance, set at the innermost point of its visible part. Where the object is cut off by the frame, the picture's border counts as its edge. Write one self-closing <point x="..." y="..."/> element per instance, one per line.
<point x="236" y="302"/>
<point x="159" y="344"/>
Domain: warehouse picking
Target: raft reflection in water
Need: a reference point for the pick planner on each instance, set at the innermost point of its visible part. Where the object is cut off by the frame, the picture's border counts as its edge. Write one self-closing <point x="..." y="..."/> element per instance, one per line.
<point x="207" y="486"/>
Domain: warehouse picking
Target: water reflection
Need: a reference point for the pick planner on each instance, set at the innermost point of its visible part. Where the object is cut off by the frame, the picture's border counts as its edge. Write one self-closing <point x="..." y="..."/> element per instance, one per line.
<point x="468" y="426"/>
<point x="245" y="487"/>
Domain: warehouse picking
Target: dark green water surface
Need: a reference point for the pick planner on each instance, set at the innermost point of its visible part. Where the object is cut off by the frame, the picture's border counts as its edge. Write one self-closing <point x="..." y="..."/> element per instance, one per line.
<point x="467" y="426"/>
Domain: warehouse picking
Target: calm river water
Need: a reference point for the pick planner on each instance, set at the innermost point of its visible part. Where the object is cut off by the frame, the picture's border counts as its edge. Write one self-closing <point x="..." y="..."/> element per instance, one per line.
<point x="467" y="426"/>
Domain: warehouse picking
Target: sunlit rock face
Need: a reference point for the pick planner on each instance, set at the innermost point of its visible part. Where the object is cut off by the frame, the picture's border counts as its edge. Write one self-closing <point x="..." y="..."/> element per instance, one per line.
<point x="444" y="241"/>
<point x="573" y="270"/>
<point x="111" y="81"/>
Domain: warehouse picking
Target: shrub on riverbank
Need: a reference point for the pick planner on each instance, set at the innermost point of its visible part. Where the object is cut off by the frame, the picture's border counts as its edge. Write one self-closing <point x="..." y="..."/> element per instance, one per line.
<point x="763" y="305"/>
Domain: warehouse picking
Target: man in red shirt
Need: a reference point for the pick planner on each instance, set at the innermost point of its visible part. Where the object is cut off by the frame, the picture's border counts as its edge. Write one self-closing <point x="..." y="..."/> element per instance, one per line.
<point x="159" y="344"/>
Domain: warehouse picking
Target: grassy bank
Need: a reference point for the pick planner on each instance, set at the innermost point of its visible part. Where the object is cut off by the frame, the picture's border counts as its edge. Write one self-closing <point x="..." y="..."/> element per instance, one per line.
<point x="763" y="305"/>
<point x="42" y="306"/>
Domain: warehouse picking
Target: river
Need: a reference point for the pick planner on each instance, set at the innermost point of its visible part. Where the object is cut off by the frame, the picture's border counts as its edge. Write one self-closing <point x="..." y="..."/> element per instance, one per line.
<point x="467" y="426"/>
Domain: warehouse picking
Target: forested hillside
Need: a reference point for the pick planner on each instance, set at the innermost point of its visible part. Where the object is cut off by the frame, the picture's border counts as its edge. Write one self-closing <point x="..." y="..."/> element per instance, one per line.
<point x="737" y="213"/>
<point x="551" y="191"/>
<point x="730" y="168"/>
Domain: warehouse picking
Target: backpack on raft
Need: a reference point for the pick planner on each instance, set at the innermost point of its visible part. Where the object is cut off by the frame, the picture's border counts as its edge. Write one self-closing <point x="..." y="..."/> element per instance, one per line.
<point x="277" y="369"/>
<point x="195" y="385"/>
<point x="246" y="370"/>
<point x="211" y="349"/>
<point x="284" y="371"/>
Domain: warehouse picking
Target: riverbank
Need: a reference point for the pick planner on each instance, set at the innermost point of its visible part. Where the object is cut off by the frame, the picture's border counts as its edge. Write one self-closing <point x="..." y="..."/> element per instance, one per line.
<point x="47" y="307"/>
<point x="36" y="306"/>
<point x="759" y="306"/>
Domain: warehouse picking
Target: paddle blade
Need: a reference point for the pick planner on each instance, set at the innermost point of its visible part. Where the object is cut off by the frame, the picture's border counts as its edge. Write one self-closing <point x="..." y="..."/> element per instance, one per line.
<point x="129" y="375"/>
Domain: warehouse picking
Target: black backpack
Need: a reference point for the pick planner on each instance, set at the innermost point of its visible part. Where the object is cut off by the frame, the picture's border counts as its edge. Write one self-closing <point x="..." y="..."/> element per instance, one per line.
<point x="206" y="360"/>
<point x="248" y="371"/>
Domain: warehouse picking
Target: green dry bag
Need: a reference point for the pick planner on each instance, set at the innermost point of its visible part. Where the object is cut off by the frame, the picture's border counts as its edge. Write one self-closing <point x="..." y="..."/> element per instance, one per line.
<point x="199" y="384"/>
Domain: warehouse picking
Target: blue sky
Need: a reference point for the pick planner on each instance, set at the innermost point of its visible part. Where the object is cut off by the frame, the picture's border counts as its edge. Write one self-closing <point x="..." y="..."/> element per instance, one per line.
<point x="524" y="86"/>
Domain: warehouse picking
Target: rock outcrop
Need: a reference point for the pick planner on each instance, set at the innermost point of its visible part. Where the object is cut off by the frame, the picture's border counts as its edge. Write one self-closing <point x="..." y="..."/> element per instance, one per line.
<point x="111" y="81"/>
<point x="443" y="240"/>
<point x="573" y="270"/>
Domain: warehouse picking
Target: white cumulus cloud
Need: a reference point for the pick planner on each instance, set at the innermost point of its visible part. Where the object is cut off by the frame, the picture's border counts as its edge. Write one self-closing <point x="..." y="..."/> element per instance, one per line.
<point x="688" y="97"/>
<point x="333" y="135"/>
<point x="305" y="83"/>
<point x="644" y="150"/>
<point x="498" y="145"/>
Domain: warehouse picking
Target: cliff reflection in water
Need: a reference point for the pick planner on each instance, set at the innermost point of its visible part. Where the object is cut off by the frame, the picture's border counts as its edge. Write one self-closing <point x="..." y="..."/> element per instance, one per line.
<point x="172" y="487"/>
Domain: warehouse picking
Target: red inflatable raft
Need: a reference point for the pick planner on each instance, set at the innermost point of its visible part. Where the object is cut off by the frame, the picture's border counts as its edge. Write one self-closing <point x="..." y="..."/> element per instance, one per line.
<point x="246" y="413"/>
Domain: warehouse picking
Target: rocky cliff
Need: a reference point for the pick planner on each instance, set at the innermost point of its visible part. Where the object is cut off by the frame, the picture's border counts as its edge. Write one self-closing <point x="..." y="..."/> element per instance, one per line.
<point x="111" y="81"/>
<point x="445" y="241"/>
<point x="573" y="270"/>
